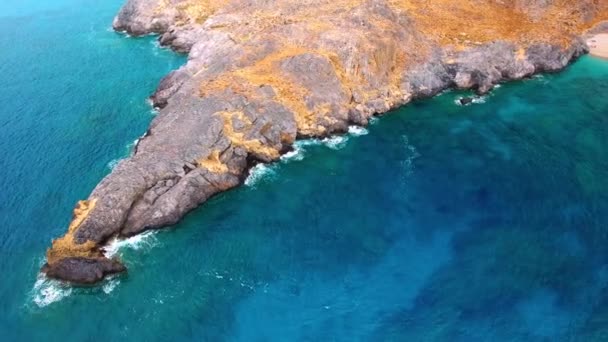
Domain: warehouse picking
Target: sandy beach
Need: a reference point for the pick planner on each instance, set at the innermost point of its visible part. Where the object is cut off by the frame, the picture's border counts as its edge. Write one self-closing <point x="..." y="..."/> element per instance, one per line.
<point x="598" y="45"/>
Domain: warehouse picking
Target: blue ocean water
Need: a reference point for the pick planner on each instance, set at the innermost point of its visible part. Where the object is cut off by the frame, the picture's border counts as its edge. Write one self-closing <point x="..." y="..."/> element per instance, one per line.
<point x="438" y="222"/>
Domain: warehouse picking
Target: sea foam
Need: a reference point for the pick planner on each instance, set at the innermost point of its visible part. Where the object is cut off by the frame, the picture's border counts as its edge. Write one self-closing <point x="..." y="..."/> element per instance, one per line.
<point x="47" y="291"/>
<point x="474" y="100"/>
<point x="258" y="173"/>
<point x="113" y="163"/>
<point x="357" y="131"/>
<point x="265" y="171"/>
<point x="335" y="142"/>
<point x="110" y="285"/>
<point x="145" y="240"/>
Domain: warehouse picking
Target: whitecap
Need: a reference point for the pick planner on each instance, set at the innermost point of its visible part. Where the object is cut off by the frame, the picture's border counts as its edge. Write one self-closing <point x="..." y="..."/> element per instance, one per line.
<point x="296" y="154"/>
<point x="480" y="99"/>
<point x="307" y="142"/>
<point x="335" y="142"/>
<point x="131" y="146"/>
<point x="257" y="173"/>
<point x="474" y="100"/>
<point x="47" y="291"/>
<point x="299" y="149"/>
<point x="357" y="131"/>
<point x="373" y="120"/>
<point x="113" y="163"/>
<point x="144" y="240"/>
<point x="110" y="285"/>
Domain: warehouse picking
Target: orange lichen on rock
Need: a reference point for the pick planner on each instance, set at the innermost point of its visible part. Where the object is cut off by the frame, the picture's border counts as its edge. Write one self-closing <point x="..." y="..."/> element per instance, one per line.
<point x="266" y="72"/>
<point x="239" y="139"/>
<point x="67" y="246"/>
<point x="190" y="11"/>
<point x="466" y="23"/>
<point x="213" y="163"/>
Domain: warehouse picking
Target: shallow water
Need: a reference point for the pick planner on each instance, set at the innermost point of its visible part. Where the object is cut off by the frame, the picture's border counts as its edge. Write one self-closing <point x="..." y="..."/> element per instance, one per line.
<point x="437" y="222"/>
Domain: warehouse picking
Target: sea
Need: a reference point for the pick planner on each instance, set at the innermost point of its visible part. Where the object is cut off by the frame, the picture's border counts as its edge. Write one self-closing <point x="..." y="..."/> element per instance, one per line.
<point x="437" y="222"/>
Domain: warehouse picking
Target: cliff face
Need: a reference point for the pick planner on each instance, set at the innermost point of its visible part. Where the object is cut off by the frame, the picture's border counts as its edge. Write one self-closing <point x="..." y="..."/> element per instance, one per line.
<point x="261" y="74"/>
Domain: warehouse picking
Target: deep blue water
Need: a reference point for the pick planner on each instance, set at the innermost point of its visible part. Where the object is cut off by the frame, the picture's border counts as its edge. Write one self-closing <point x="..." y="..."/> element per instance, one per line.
<point x="438" y="223"/>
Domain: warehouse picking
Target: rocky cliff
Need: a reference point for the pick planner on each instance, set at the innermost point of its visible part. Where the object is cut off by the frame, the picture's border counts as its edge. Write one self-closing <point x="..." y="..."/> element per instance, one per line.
<point x="263" y="73"/>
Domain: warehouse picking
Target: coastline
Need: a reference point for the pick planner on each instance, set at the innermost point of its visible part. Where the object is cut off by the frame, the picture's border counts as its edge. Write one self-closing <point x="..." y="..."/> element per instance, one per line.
<point x="202" y="144"/>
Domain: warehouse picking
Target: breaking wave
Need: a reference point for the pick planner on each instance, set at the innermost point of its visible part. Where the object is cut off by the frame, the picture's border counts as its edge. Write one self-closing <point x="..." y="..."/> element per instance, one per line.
<point x="296" y="154"/>
<point x="265" y="171"/>
<point x="113" y="163"/>
<point x="110" y="285"/>
<point x="144" y="240"/>
<point x="47" y="291"/>
<point x="335" y="142"/>
<point x="357" y="131"/>
<point x="474" y="100"/>
<point x="259" y="172"/>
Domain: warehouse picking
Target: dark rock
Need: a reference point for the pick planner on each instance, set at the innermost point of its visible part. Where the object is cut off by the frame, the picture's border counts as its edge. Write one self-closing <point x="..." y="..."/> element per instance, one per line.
<point x="466" y="101"/>
<point x="83" y="271"/>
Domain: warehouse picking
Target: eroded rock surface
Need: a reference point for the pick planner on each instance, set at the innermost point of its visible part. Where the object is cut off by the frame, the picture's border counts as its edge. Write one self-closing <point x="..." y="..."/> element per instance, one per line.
<point x="261" y="74"/>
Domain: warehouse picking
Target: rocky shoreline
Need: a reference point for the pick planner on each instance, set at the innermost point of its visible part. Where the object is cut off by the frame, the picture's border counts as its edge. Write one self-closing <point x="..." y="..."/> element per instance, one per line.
<point x="261" y="75"/>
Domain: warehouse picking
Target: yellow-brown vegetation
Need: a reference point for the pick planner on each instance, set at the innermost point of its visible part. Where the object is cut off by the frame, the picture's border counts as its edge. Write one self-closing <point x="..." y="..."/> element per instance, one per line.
<point x="213" y="163"/>
<point x="67" y="246"/>
<point x="238" y="139"/>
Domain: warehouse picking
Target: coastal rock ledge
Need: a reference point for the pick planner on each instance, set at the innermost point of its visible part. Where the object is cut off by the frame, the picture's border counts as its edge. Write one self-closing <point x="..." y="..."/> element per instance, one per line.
<point x="261" y="74"/>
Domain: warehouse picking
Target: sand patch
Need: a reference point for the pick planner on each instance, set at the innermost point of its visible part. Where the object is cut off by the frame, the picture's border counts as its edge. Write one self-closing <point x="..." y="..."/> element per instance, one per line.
<point x="598" y="45"/>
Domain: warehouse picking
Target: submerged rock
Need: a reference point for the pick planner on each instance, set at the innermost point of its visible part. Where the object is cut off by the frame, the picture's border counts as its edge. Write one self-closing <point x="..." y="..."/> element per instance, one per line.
<point x="262" y="74"/>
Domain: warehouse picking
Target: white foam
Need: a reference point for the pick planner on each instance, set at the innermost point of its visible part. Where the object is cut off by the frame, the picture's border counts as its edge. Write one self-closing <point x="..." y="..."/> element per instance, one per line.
<point x="110" y="285"/>
<point x="411" y="155"/>
<point x="131" y="146"/>
<point x="47" y="291"/>
<point x="259" y="172"/>
<point x="474" y="100"/>
<point x="144" y="240"/>
<point x="264" y="171"/>
<point x="357" y="131"/>
<point x="335" y="142"/>
<point x="299" y="149"/>
<point x="457" y="101"/>
<point x="373" y="120"/>
<point x="480" y="99"/>
<point x="307" y="142"/>
<point x="113" y="163"/>
<point x="296" y="154"/>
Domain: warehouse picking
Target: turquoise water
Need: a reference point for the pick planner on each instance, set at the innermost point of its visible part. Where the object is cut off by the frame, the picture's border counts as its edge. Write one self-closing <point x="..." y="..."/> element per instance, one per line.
<point x="438" y="222"/>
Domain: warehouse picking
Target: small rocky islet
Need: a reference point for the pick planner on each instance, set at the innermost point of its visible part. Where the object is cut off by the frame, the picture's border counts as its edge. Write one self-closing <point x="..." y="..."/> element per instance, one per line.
<point x="262" y="74"/>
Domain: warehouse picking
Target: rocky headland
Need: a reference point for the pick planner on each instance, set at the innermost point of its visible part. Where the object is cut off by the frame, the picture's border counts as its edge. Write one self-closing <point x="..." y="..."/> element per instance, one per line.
<point x="261" y="74"/>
